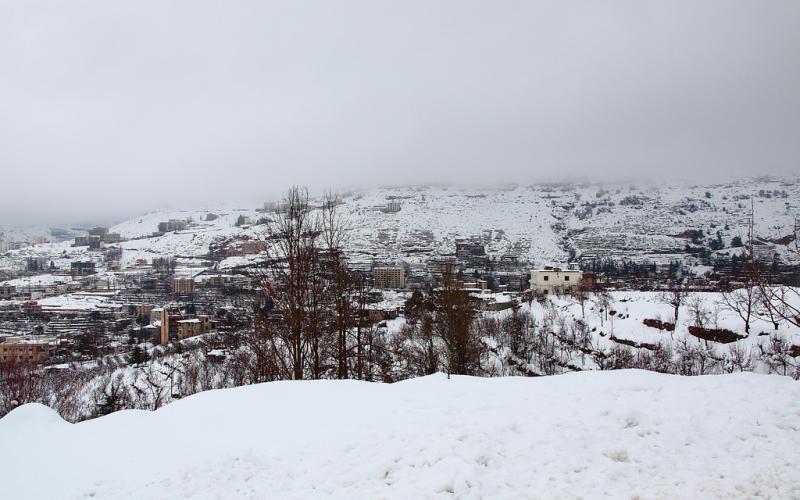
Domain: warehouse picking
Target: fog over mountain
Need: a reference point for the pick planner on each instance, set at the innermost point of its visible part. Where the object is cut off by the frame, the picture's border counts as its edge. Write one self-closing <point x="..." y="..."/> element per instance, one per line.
<point x="110" y="109"/>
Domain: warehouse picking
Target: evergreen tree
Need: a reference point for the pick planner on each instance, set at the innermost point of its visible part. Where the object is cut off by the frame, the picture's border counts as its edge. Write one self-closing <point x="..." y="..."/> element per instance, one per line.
<point x="138" y="356"/>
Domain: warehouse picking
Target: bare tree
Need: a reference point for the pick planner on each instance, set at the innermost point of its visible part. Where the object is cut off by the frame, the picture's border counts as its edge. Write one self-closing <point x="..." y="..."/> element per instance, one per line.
<point x="781" y="302"/>
<point x="739" y="358"/>
<point x="287" y="286"/>
<point x="416" y="349"/>
<point x="581" y="293"/>
<point x="64" y="392"/>
<point x="603" y="301"/>
<point x="778" y="355"/>
<point x="453" y="315"/>
<point x="698" y="310"/>
<point x="675" y="295"/>
<point x="769" y="309"/>
<point x="21" y="382"/>
<point x="743" y="300"/>
<point x="335" y="229"/>
<point x="152" y="393"/>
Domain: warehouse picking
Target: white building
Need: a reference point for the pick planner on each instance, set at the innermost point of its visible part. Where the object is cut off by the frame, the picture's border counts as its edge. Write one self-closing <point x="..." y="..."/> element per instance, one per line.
<point x="554" y="280"/>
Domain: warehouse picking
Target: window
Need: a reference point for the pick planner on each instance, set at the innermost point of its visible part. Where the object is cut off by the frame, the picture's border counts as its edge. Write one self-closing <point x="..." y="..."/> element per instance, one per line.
<point x="566" y="278"/>
<point x="547" y="278"/>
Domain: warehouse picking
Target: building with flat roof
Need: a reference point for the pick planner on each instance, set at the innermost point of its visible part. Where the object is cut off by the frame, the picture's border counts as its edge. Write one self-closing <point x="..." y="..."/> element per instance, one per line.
<point x="389" y="277"/>
<point x="7" y="291"/>
<point x="27" y="350"/>
<point x="554" y="280"/>
<point x="392" y="207"/>
<point x="82" y="268"/>
<point x="193" y="326"/>
<point x="182" y="286"/>
<point x="172" y="225"/>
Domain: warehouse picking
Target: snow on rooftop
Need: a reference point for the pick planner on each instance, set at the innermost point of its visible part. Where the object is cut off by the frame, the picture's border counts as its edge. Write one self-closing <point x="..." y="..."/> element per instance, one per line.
<point x="80" y="301"/>
<point x="38" y="280"/>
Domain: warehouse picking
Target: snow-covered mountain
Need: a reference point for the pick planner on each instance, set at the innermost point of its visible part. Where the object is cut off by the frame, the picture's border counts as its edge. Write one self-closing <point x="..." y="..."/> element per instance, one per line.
<point x="539" y="223"/>
<point x="542" y="224"/>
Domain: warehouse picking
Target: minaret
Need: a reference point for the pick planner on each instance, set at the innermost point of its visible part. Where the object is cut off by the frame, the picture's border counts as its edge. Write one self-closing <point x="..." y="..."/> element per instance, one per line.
<point x="164" y="326"/>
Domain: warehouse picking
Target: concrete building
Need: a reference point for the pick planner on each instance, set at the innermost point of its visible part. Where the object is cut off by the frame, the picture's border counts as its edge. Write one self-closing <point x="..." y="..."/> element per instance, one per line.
<point x="389" y="277"/>
<point x="5" y="246"/>
<point x="168" y="324"/>
<point x="38" y="239"/>
<point x="95" y="242"/>
<point x="392" y="207"/>
<point x="27" y="350"/>
<point x="554" y="280"/>
<point x="172" y="225"/>
<point x="82" y="268"/>
<point x="193" y="326"/>
<point x="471" y="252"/>
<point x="763" y="251"/>
<point x="182" y="286"/>
<point x="253" y="247"/>
<point x="165" y="319"/>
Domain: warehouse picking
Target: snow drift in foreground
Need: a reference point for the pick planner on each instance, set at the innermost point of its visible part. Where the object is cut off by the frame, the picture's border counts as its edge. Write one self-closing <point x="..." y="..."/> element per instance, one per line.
<point x="622" y="434"/>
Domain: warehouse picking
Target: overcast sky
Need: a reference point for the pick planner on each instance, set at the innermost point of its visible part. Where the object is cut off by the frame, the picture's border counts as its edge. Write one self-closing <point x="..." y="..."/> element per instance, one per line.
<point x="112" y="108"/>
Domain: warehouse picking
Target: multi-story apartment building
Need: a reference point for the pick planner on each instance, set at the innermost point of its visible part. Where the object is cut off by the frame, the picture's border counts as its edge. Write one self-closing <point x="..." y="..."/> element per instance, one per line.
<point x="392" y="207"/>
<point x="389" y="277"/>
<point x="82" y="268"/>
<point x="172" y="225"/>
<point x="182" y="286"/>
<point x="27" y="350"/>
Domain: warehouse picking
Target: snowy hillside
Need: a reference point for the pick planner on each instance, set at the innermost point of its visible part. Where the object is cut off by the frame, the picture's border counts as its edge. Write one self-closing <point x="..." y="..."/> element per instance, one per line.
<point x="539" y="223"/>
<point x="622" y="434"/>
<point x="542" y="224"/>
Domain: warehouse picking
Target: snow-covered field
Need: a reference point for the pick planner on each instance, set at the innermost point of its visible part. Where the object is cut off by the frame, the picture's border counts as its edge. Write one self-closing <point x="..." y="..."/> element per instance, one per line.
<point x="632" y="308"/>
<point x="623" y="434"/>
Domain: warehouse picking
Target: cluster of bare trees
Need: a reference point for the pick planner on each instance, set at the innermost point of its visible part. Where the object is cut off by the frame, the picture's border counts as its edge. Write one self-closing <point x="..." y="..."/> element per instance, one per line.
<point x="26" y="382"/>
<point x="750" y="297"/>
<point x="310" y="317"/>
<point x="441" y="334"/>
<point x="759" y="295"/>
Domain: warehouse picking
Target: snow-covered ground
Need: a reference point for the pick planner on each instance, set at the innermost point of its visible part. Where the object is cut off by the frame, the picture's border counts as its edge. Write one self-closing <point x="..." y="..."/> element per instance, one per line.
<point x="623" y="434"/>
<point x="632" y="308"/>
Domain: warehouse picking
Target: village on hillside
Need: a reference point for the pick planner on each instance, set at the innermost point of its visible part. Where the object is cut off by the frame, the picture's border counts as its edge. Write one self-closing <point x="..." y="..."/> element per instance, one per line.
<point x="694" y="296"/>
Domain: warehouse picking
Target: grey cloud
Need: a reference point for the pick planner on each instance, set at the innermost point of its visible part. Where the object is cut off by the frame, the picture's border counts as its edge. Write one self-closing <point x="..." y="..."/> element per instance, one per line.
<point x="118" y="107"/>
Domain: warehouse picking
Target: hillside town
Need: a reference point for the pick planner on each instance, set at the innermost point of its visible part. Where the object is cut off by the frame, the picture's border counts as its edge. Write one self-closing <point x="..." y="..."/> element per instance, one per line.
<point x="114" y="300"/>
<point x="450" y="250"/>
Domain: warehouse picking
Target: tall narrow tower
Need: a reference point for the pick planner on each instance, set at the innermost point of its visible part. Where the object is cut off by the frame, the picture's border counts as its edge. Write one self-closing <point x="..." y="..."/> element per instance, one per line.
<point x="164" y="326"/>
